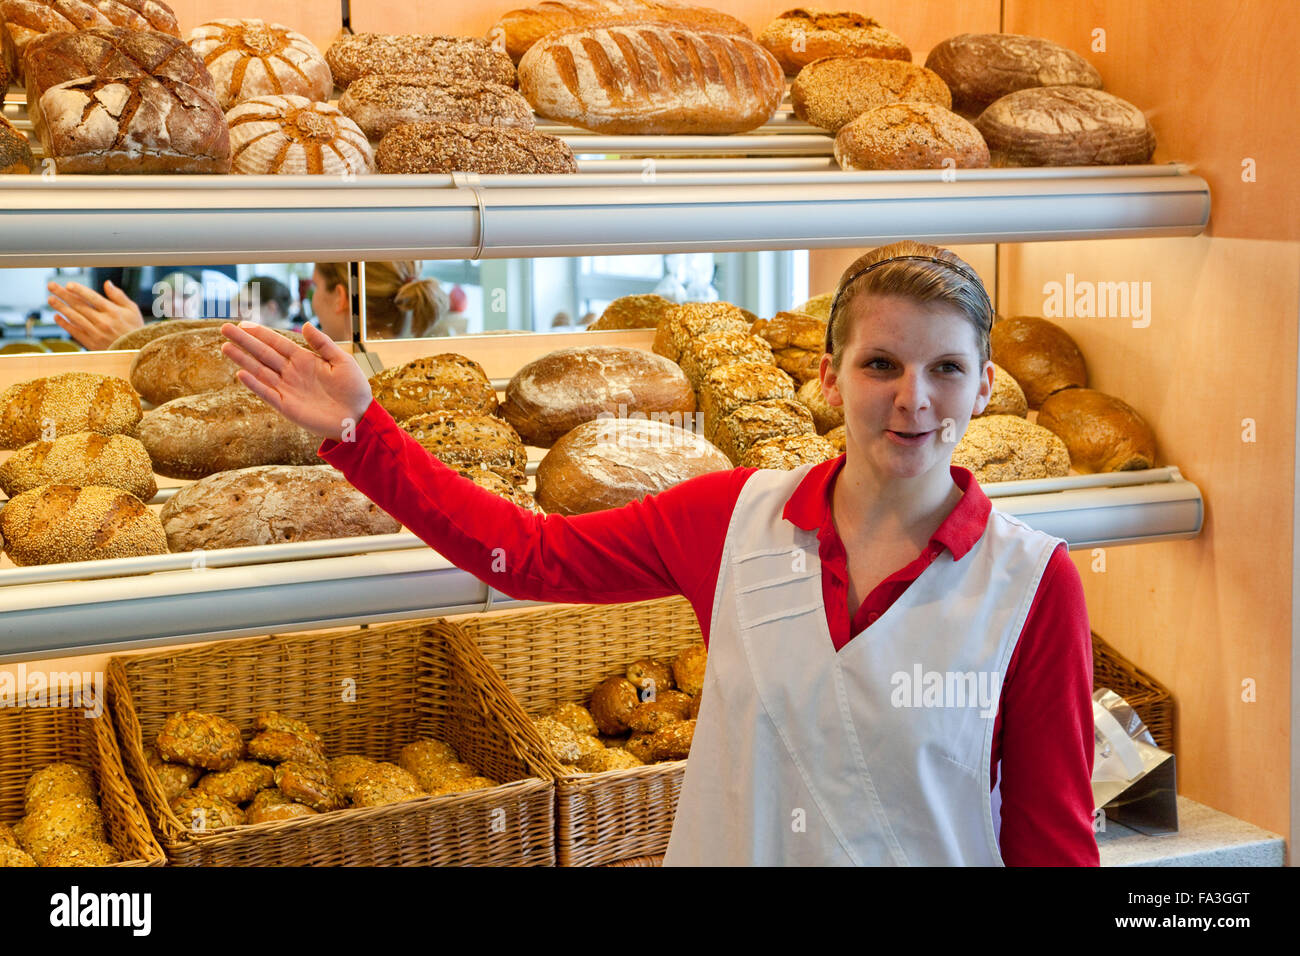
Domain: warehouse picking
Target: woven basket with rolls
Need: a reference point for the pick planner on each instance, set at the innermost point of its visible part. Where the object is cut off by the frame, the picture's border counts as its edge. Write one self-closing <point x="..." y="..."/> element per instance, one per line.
<point x="35" y="736"/>
<point x="555" y="655"/>
<point x="366" y="691"/>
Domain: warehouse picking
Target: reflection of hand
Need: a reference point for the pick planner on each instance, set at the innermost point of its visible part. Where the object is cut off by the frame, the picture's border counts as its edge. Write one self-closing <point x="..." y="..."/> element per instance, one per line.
<point x="90" y="318"/>
<point x="319" y="390"/>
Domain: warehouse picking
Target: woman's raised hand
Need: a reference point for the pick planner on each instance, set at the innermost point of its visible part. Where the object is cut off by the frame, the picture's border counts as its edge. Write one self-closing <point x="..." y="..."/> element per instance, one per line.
<point x="94" y="320"/>
<point x="322" y="390"/>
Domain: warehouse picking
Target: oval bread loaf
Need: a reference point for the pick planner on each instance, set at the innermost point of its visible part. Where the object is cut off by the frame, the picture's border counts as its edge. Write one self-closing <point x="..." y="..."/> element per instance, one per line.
<point x="270" y="504"/>
<point x="45" y="408"/>
<point x="380" y="102"/>
<point x="1008" y="448"/>
<point x="1008" y="397"/>
<point x="1065" y="126"/>
<point x="1039" y="355"/>
<point x="355" y="55"/>
<point x="798" y="37"/>
<point x="1102" y="432"/>
<point x="556" y="393"/>
<point x="632" y="312"/>
<point x="728" y="387"/>
<point x="838" y="89"/>
<point x="771" y="418"/>
<point x="444" y="382"/>
<point x="910" y="136"/>
<point x="83" y="458"/>
<point x="186" y="363"/>
<point x="468" y="147"/>
<point x="52" y="524"/>
<point x="982" y="67"/>
<point x="139" y="338"/>
<point x="787" y="452"/>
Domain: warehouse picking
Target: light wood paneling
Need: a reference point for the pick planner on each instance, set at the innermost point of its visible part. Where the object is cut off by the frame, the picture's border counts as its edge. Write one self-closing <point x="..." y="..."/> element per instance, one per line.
<point x="825" y="266"/>
<point x="318" y="20"/>
<point x="1217" y="82"/>
<point x="1203" y="615"/>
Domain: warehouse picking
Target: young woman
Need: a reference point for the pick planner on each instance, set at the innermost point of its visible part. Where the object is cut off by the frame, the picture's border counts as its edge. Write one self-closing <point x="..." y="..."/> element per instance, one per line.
<point x="398" y="302"/>
<point x="833" y="597"/>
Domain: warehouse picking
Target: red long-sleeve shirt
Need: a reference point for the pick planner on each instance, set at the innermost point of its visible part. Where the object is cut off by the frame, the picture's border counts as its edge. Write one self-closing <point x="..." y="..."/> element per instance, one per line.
<point x="671" y="543"/>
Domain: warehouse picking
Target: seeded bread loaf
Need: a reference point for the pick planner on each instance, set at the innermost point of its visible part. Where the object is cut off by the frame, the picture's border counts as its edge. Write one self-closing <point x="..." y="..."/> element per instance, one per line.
<point x="728" y="387"/>
<point x="1065" y="126"/>
<point x="444" y="382"/>
<point x="52" y="524"/>
<point x="798" y="37"/>
<point x="982" y="67"/>
<point x="1008" y="397"/>
<point x="355" y="55"/>
<point x="701" y="356"/>
<point x="294" y="136"/>
<point x="1102" y="432"/>
<point x="788" y="452"/>
<point x="186" y="363"/>
<point x="382" y="101"/>
<point x="15" y="151"/>
<point x="837" y="90"/>
<point x="42" y="409"/>
<point x="1039" y="355"/>
<point x="910" y="136"/>
<point x="502" y="488"/>
<point x="468" y="147"/>
<point x="1007" y="448"/>
<point x="838" y="437"/>
<point x="22" y="21"/>
<point x="688" y="321"/>
<point x="82" y="458"/>
<point x="750" y="424"/>
<point x="797" y="342"/>
<point x="825" y="415"/>
<point x="632" y="312"/>
<point x="139" y="338"/>
<point x="471" y="442"/>
<point x="249" y="58"/>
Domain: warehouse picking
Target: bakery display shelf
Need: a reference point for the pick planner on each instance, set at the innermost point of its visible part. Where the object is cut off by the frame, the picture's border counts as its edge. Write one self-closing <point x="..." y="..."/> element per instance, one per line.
<point x="168" y="599"/>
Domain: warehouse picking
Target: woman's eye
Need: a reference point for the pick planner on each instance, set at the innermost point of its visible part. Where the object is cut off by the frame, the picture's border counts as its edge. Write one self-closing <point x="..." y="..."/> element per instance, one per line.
<point x="877" y="363"/>
<point x="951" y="367"/>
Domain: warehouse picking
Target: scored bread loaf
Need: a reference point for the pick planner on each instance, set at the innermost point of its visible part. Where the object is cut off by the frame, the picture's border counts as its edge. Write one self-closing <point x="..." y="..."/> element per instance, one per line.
<point x="445" y="382"/>
<point x="798" y="37"/>
<point x="468" y="147"/>
<point x="1039" y="355"/>
<point x="554" y="394"/>
<point x="139" y="338"/>
<point x="52" y="524"/>
<point x="651" y="78"/>
<point x="728" y="387"/>
<point x="471" y="443"/>
<point x="42" y="409"/>
<point x="186" y="363"/>
<point x="355" y="55"/>
<point x="1102" y="432"/>
<point x="750" y="424"/>
<point x="379" y="102"/>
<point x="15" y="151"/>
<point x="1008" y="448"/>
<point x="788" y="452"/>
<point x="82" y="458"/>
<point x="910" y="136"/>
<point x="632" y="312"/>
<point x="701" y="356"/>
<point x="982" y="67"/>
<point x="291" y="135"/>
<point x="797" y="342"/>
<point x="1065" y="126"/>
<point x="613" y="461"/>
<point x="199" y="435"/>
<point x="836" y="90"/>
<point x="825" y="415"/>
<point x="22" y="21"/>
<point x="249" y="58"/>
<point x="688" y="321"/>
<point x="270" y="504"/>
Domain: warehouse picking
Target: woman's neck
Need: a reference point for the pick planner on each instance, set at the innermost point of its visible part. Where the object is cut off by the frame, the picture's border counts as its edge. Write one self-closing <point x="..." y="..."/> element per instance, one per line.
<point x="914" y="507"/>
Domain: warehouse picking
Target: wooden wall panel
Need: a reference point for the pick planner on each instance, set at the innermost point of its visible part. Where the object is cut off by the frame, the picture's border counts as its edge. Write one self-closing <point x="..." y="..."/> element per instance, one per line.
<point x="1206" y="614"/>
<point x="318" y="20"/>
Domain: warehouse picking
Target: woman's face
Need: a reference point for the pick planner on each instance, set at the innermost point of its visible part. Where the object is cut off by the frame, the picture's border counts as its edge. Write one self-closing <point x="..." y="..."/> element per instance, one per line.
<point x="909" y="381"/>
<point x="331" y="307"/>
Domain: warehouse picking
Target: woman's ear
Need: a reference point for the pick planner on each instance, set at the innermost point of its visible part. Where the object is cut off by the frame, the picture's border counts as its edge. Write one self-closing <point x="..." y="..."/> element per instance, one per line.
<point x="830" y="382"/>
<point x="985" y="394"/>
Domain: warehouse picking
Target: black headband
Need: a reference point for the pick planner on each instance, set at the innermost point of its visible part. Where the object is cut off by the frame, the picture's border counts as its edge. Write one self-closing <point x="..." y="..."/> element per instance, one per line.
<point x="963" y="272"/>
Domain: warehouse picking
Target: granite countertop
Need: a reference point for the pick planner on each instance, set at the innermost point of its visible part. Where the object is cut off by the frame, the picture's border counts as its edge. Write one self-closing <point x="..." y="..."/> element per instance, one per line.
<point x="1205" y="837"/>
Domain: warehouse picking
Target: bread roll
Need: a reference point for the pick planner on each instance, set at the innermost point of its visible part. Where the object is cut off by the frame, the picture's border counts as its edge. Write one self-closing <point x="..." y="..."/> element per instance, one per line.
<point x="1065" y="126"/>
<point x="22" y="21"/>
<point x="728" y="387"/>
<point x="788" y="452"/>
<point x="750" y="424"/>
<point x="15" y="152"/>
<point x="355" y="55"/>
<point x="632" y="312"/>
<point x="982" y="67"/>
<point x="825" y="415"/>
<point x="52" y="524"/>
<point x="1007" y="448"/>
<point x="186" y="363"/>
<point x="466" y="147"/>
<point x="798" y="37"/>
<point x="1039" y="355"/>
<point x="837" y="90"/>
<point x="798" y="342"/>
<point x="491" y="481"/>
<point x="444" y="382"/>
<point x="1102" y="432"/>
<point x="382" y="101"/>
<point x="838" y="437"/>
<point x="249" y="58"/>
<point x="1008" y="397"/>
<point x="270" y="504"/>
<point x="819" y="306"/>
<point x="688" y="321"/>
<point x="651" y="78"/>
<point x="42" y="409"/>
<point x="910" y="136"/>
<point x="611" y="462"/>
<point x="139" y="338"/>
<point x="293" y="136"/>
<point x="520" y="29"/>
<point x="82" y="458"/>
<point x="232" y="428"/>
<point x="471" y="442"/>
<point x="554" y="394"/>
<point x="701" y="356"/>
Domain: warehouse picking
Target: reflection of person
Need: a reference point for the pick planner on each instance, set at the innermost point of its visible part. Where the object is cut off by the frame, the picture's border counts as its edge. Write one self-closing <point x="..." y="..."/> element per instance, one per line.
<point x="399" y="303"/>
<point x="455" y="322"/>
<point x="268" y="301"/>
<point x="842" y="593"/>
<point x="94" y="320"/>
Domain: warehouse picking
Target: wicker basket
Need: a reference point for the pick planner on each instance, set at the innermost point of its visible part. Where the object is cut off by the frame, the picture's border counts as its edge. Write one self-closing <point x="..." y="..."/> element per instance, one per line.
<point x="1151" y="699"/>
<point x="555" y="655"/>
<point x="35" y="736"/>
<point x="367" y="691"/>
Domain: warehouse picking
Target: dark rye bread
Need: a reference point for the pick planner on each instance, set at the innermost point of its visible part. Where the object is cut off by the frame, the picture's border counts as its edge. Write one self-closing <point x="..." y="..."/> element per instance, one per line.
<point x="446" y="382"/>
<point x="650" y="78"/>
<point x="471" y="443"/>
<point x="22" y="21"/>
<point x="982" y="67"/>
<point x="186" y="363"/>
<point x="52" y="524"/>
<point x="910" y="136"/>
<point x="378" y="103"/>
<point x="798" y="37"/>
<point x="45" y="408"/>
<point x="83" y="458"/>
<point x="836" y="90"/>
<point x="356" y="55"/>
<point x="1065" y="126"/>
<point x="556" y="393"/>
<point x="270" y="504"/>
<point x="200" y="435"/>
<point x="139" y="338"/>
<point x="467" y="147"/>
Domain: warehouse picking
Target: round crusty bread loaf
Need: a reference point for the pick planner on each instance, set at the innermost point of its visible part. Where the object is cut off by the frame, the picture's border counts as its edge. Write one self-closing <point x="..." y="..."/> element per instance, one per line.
<point x="42" y="409"/>
<point x="728" y="387"/>
<point x="52" y="524"/>
<point x="982" y="67"/>
<point x="139" y="338"/>
<point x="836" y="90"/>
<point x="750" y="424"/>
<point x="798" y="342"/>
<point x="379" y="102"/>
<point x="249" y="58"/>
<point x="186" y="363"/>
<point x="199" y="435"/>
<point x="295" y="136"/>
<point x="689" y="320"/>
<point x="825" y="415"/>
<point x="1039" y="355"/>
<point x="1008" y="397"/>
<point x="788" y="452"/>
<point x="83" y="458"/>
<point x="798" y="37"/>
<point x="468" y="147"/>
<point x="556" y="393"/>
<point x="1102" y="432"/>
<point x="431" y="383"/>
<point x="632" y="312"/>
<point x="270" y="504"/>
<point x="910" y="136"/>
<point x="1007" y="448"/>
<point x="611" y="462"/>
<point x="471" y="443"/>
<point x="1065" y="126"/>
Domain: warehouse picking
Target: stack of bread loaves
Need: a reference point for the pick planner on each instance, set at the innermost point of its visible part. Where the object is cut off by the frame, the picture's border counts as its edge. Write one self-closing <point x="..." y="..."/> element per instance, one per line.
<point x="63" y="824"/>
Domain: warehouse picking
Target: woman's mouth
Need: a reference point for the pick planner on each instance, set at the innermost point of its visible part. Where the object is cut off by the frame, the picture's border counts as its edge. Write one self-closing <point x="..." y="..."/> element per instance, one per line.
<point x="909" y="438"/>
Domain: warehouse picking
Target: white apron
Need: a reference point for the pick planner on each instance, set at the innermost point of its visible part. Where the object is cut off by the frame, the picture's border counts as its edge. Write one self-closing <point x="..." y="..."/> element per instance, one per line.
<point x="807" y="756"/>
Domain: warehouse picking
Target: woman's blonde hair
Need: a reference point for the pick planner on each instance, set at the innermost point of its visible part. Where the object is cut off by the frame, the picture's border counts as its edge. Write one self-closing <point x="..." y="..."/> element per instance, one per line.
<point x="915" y="271"/>
<point x="394" y="293"/>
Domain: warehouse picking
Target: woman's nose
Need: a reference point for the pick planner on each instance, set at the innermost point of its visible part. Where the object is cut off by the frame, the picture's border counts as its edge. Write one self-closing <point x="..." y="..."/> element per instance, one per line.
<point x="913" y="391"/>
